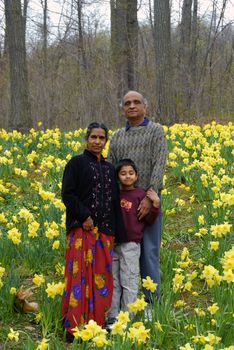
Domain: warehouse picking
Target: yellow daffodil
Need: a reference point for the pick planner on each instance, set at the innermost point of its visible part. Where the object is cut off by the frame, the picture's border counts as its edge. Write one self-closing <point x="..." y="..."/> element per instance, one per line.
<point x="213" y="339"/>
<point x="201" y="219"/>
<point x="43" y="344"/>
<point x="56" y="245"/>
<point x="189" y="327"/>
<point x="138" y="305"/>
<point x="13" y="291"/>
<point x="213" y="308"/>
<point x="2" y="271"/>
<point x="199" y="312"/>
<point x="15" y="236"/>
<point x="158" y="326"/>
<point x="139" y="335"/>
<point x="100" y="340"/>
<point x="149" y="284"/>
<point x="214" y="245"/>
<point x="86" y="334"/>
<point x="123" y="317"/>
<point x="118" y="328"/>
<point x="38" y="317"/>
<point x="187" y="346"/>
<point x="13" y="335"/>
<point x="38" y="280"/>
<point x="76" y="332"/>
<point x="179" y="303"/>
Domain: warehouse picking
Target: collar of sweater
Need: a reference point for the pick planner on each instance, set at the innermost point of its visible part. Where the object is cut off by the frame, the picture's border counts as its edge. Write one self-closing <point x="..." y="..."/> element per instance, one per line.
<point x="143" y="123"/>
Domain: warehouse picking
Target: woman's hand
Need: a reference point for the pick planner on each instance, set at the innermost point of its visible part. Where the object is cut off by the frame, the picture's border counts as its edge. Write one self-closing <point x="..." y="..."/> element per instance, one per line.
<point x="144" y="208"/>
<point x="88" y="224"/>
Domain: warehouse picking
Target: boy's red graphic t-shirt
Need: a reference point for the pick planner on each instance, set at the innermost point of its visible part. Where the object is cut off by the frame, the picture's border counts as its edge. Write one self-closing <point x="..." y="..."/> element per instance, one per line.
<point x="129" y="202"/>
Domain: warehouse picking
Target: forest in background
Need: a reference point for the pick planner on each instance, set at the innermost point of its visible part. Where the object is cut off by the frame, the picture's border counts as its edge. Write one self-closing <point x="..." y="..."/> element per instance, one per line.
<point x="186" y="71"/>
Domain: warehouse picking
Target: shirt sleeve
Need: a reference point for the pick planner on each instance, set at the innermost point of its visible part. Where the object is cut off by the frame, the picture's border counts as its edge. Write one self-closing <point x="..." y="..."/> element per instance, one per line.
<point x="159" y="157"/>
<point x="74" y="205"/>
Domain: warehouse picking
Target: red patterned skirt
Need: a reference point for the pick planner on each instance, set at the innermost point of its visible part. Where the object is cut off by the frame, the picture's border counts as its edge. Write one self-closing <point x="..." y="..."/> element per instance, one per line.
<point x="88" y="278"/>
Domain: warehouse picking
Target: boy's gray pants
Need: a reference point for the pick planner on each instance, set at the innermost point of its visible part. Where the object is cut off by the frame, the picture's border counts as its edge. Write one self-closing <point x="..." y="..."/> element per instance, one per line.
<point x="126" y="270"/>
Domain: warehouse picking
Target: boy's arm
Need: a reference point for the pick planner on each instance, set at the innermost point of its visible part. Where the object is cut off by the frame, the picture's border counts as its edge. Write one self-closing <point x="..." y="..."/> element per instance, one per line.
<point x="150" y="199"/>
<point x="153" y="214"/>
<point x="155" y="206"/>
<point x="153" y="196"/>
<point x="144" y="208"/>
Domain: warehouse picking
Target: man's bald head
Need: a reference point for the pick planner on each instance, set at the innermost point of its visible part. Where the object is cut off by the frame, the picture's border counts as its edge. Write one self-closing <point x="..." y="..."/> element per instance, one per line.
<point x="134" y="107"/>
<point x="143" y="99"/>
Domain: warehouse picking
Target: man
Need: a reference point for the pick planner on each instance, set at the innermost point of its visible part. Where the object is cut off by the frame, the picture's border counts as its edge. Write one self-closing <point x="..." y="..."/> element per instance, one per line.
<point x="145" y="143"/>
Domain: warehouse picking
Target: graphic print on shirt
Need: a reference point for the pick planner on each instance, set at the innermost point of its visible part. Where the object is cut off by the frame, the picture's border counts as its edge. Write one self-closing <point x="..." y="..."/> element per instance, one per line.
<point x="125" y="204"/>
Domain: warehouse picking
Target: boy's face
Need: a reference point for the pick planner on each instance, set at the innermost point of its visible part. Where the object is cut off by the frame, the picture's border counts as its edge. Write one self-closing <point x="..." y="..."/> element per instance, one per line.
<point x="127" y="177"/>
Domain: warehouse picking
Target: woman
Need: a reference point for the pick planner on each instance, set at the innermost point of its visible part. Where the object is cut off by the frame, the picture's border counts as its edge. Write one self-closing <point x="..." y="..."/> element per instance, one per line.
<point x="90" y="194"/>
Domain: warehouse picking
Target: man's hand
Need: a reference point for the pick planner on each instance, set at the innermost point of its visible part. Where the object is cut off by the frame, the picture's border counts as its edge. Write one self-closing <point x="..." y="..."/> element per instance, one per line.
<point x="153" y="196"/>
<point x="88" y="224"/>
<point x="144" y="208"/>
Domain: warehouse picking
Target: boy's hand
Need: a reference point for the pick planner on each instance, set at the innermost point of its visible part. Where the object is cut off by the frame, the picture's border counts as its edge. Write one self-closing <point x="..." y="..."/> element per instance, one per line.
<point x="153" y="196"/>
<point x="144" y="208"/>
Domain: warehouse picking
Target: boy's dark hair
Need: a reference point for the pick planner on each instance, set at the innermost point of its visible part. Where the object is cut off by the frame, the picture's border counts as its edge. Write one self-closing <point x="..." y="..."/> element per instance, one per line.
<point x="96" y="125"/>
<point x="125" y="162"/>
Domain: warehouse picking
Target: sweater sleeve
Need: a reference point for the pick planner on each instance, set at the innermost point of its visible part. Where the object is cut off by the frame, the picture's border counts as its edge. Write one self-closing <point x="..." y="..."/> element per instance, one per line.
<point x="159" y="158"/>
<point x="75" y="207"/>
<point x="112" y="158"/>
<point x="120" y="230"/>
<point x="152" y="215"/>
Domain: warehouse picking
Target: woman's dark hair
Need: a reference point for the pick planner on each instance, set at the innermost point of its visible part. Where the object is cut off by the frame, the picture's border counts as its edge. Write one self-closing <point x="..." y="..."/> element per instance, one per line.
<point x="96" y="125"/>
<point x="125" y="162"/>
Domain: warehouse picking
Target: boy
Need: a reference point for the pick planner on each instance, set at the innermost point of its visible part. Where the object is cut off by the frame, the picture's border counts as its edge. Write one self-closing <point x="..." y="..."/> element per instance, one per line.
<point x="127" y="254"/>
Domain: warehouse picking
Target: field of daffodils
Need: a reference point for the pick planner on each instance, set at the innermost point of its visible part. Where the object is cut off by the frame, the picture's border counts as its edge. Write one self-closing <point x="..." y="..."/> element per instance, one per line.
<point x="196" y="310"/>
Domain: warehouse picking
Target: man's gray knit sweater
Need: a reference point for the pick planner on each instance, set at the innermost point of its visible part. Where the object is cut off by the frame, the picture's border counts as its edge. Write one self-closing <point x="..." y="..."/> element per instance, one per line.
<point x="147" y="147"/>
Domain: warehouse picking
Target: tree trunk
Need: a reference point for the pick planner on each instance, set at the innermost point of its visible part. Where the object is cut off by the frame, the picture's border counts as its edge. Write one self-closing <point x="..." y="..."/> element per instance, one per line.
<point x="164" y="79"/>
<point x="45" y="36"/>
<point x="193" y="57"/>
<point x="20" y="116"/>
<point x="207" y="65"/>
<point x="81" y="49"/>
<point x="46" y="101"/>
<point x="185" y="55"/>
<point x="132" y="41"/>
<point x="124" y="43"/>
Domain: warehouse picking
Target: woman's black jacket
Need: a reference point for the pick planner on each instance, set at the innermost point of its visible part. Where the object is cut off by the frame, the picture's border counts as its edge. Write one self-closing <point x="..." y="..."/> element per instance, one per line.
<point x="90" y="188"/>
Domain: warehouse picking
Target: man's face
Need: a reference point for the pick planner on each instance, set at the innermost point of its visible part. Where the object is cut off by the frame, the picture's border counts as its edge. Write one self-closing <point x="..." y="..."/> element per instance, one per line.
<point x="134" y="107"/>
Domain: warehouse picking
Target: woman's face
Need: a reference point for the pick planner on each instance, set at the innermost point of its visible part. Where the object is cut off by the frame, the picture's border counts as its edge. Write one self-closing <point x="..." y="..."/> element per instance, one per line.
<point x="96" y="141"/>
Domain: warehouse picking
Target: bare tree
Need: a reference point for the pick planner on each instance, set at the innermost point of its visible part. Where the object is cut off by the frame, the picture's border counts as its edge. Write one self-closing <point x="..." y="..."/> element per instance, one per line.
<point x="194" y="54"/>
<point x="81" y="48"/>
<point x="45" y="74"/>
<point x="185" y="54"/>
<point x="207" y="64"/>
<point x="164" y="77"/>
<point x="20" y="116"/>
<point x="124" y="43"/>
